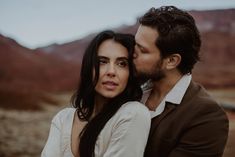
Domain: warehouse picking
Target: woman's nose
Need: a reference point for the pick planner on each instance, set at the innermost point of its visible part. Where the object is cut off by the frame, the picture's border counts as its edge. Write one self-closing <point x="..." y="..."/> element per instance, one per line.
<point x="111" y="71"/>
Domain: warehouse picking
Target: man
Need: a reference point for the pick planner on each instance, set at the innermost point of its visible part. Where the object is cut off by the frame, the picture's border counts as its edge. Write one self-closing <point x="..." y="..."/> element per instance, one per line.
<point x="186" y="121"/>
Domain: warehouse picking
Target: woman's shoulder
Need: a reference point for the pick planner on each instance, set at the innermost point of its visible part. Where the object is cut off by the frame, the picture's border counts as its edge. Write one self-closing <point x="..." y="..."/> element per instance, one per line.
<point x="64" y="115"/>
<point x="134" y="105"/>
<point x="132" y="114"/>
<point x="133" y="108"/>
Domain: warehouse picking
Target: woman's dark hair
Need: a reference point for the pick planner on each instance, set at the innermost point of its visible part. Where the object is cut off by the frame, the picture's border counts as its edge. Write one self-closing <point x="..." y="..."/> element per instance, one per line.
<point x="83" y="99"/>
<point x="177" y="34"/>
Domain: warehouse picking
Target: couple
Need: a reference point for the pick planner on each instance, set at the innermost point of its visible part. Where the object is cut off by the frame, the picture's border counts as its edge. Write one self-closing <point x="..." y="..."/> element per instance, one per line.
<point x="179" y="118"/>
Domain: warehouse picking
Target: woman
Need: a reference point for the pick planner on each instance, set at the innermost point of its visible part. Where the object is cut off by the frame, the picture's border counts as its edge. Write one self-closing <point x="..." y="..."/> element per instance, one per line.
<point x="107" y="120"/>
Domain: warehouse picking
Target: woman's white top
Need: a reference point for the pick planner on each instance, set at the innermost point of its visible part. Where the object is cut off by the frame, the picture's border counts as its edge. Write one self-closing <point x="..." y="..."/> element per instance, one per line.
<point x="124" y="135"/>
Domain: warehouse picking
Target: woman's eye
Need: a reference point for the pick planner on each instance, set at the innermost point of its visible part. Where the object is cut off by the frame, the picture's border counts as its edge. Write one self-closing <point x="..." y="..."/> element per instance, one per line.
<point x="102" y="61"/>
<point x="123" y="63"/>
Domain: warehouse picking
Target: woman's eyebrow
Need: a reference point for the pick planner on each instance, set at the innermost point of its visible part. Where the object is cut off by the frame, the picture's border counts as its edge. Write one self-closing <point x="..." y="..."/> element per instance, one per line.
<point x="102" y="57"/>
<point x="118" y="58"/>
<point x="122" y="58"/>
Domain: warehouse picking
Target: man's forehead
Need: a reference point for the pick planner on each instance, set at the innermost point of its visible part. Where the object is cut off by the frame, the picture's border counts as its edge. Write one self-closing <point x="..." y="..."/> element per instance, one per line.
<point x="146" y="34"/>
<point x="145" y="41"/>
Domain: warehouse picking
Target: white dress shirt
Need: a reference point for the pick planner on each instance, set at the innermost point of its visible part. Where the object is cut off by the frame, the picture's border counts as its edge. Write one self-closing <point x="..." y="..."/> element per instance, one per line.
<point x="175" y="95"/>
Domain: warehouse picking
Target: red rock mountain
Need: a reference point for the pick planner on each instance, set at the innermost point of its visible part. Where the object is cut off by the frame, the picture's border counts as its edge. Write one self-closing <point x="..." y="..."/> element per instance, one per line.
<point x="25" y="74"/>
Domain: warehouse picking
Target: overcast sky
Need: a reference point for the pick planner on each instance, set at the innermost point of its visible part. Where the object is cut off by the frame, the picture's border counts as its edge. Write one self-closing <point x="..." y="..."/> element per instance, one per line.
<point x="35" y="23"/>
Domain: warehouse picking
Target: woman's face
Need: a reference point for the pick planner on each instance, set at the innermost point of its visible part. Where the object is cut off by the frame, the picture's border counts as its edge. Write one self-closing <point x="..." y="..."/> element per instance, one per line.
<point x="114" y="69"/>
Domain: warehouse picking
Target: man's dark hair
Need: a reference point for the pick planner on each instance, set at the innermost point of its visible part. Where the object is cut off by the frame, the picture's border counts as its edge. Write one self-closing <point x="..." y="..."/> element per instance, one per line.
<point x="177" y="34"/>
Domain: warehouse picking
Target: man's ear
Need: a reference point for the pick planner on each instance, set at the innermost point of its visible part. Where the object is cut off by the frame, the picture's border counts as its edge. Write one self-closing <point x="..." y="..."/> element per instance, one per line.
<point x="173" y="61"/>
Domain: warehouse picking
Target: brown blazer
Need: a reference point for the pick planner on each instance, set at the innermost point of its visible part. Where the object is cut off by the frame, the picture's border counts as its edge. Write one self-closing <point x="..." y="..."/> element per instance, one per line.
<point x="198" y="127"/>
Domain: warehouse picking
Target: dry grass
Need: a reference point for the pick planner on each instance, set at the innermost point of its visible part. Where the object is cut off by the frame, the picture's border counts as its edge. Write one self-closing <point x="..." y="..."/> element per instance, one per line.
<point x="24" y="133"/>
<point x="230" y="147"/>
<point x="226" y="97"/>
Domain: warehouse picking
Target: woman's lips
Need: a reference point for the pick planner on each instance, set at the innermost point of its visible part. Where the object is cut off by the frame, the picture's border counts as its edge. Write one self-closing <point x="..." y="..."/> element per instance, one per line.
<point x="110" y="85"/>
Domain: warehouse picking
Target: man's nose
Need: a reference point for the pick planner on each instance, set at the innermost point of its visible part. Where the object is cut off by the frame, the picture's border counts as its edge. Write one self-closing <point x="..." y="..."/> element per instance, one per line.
<point x="135" y="53"/>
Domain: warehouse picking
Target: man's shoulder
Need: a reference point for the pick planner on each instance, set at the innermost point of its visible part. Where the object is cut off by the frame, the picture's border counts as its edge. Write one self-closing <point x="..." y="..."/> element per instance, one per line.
<point x="198" y="98"/>
<point x="197" y="92"/>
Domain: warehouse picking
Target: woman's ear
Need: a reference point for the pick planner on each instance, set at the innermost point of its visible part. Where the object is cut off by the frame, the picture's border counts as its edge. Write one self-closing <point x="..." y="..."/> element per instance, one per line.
<point x="173" y="61"/>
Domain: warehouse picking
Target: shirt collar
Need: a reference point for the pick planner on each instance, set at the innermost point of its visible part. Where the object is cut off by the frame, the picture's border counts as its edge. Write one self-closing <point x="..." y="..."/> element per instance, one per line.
<point x="175" y="95"/>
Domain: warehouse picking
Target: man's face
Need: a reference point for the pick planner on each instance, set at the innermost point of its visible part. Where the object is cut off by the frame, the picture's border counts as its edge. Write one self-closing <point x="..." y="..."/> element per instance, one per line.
<point x="147" y="58"/>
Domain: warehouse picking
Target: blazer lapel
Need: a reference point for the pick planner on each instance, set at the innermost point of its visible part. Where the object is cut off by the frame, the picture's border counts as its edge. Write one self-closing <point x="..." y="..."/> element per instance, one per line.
<point x="156" y="120"/>
<point x="170" y="106"/>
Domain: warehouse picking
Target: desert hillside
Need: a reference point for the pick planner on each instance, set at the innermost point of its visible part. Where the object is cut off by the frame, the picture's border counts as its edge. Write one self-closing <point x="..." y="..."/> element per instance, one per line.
<point x="26" y="73"/>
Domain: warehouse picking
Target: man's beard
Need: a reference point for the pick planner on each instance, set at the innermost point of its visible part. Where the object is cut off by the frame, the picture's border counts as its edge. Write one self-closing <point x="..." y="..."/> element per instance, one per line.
<point x="155" y="74"/>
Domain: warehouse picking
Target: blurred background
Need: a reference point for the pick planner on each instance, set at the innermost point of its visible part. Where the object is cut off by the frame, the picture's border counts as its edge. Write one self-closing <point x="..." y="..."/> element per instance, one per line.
<point x="41" y="48"/>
